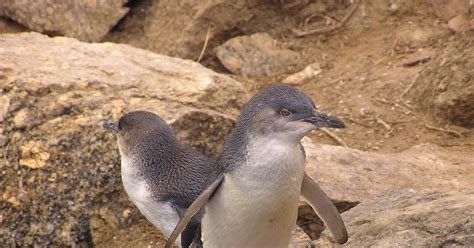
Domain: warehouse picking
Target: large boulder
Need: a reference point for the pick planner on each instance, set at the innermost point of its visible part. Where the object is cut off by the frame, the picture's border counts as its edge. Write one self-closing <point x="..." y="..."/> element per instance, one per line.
<point x="182" y="28"/>
<point x="406" y="218"/>
<point x="60" y="178"/>
<point x="84" y="20"/>
<point x="353" y="175"/>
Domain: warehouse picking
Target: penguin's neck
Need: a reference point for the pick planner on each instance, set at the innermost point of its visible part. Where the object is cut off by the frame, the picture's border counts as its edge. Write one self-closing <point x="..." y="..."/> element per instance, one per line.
<point x="131" y="179"/>
<point x="273" y="159"/>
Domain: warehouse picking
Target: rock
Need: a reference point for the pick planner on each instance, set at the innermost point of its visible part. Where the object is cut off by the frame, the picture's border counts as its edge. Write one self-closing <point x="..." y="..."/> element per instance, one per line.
<point x="310" y="222"/>
<point x="418" y="57"/>
<point x="445" y="89"/>
<point x="84" y="20"/>
<point x="406" y="218"/>
<point x="23" y="118"/>
<point x="109" y="217"/>
<point x="108" y="67"/>
<point x="33" y="155"/>
<point x="4" y="105"/>
<point x="299" y="239"/>
<point x="448" y="9"/>
<point x="461" y="23"/>
<point x="3" y="140"/>
<point x="415" y="35"/>
<point x="199" y="129"/>
<point x="10" y="195"/>
<point x="353" y="175"/>
<point x="306" y="74"/>
<point x="254" y="56"/>
<point x="72" y="171"/>
<point x="153" y="25"/>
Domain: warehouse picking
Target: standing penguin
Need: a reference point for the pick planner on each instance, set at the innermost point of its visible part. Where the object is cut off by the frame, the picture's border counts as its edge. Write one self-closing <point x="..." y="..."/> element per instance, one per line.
<point x="161" y="176"/>
<point x="253" y="202"/>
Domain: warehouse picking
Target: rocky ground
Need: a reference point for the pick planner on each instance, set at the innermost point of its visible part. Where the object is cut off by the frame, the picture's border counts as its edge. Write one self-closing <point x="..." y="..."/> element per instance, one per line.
<point x="399" y="73"/>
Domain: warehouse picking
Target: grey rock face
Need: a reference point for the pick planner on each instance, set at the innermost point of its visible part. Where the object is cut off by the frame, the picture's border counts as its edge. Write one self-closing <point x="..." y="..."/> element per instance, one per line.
<point x="355" y="176"/>
<point x="84" y="20"/>
<point x="406" y="218"/>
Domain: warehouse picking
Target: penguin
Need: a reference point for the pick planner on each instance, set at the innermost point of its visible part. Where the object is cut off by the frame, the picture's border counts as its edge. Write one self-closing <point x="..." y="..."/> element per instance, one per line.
<point x="253" y="200"/>
<point x="161" y="176"/>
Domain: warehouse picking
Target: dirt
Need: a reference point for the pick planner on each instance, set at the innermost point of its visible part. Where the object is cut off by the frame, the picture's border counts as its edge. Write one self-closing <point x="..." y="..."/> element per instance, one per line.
<point x="363" y="78"/>
<point x="140" y="234"/>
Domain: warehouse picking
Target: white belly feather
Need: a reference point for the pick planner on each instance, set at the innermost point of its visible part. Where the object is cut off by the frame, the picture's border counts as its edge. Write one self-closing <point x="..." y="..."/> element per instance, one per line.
<point x="257" y="204"/>
<point x="160" y="214"/>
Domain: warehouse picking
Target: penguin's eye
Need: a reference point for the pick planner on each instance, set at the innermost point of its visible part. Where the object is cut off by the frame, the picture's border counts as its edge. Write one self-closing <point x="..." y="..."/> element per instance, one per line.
<point x="285" y="112"/>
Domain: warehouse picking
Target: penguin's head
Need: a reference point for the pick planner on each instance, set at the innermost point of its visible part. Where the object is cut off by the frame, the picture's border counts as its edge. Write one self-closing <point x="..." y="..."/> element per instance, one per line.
<point x="284" y="111"/>
<point x="139" y="127"/>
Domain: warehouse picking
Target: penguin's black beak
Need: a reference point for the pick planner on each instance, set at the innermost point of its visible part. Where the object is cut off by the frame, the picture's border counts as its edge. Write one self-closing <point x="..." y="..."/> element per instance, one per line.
<point x="320" y="119"/>
<point x="111" y="125"/>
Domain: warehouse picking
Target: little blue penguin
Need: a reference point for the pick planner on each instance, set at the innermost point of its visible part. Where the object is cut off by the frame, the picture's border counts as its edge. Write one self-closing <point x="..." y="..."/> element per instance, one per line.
<point x="253" y="201"/>
<point x="161" y="176"/>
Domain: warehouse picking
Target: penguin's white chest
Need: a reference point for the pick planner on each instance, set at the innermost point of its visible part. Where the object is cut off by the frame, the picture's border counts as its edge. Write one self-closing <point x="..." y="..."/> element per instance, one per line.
<point x="160" y="213"/>
<point x="257" y="204"/>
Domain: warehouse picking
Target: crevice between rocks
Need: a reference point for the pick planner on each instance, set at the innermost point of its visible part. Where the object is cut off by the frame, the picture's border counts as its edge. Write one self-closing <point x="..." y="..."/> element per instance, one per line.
<point x="311" y="224"/>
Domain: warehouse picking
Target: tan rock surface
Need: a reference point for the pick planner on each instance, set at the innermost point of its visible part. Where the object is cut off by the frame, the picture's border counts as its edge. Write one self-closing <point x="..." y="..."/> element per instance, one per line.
<point x="354" y="175"/>
<point x="4" y="105"/>
<point x="85" y="20"/>
<point x="255" y="56"/>
<point x="406" y="218"/>
<point x="179" y="28"/>
<point x="462" y="23"/>
<point x="448" y="9"/>
<point x="299" y="239"/>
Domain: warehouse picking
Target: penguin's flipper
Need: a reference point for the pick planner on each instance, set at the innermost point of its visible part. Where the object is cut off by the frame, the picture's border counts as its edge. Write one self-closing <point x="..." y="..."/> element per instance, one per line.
<point x="324" y="208"/>
<point x="192" y="233"/>
<point x="200" y="202"/>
